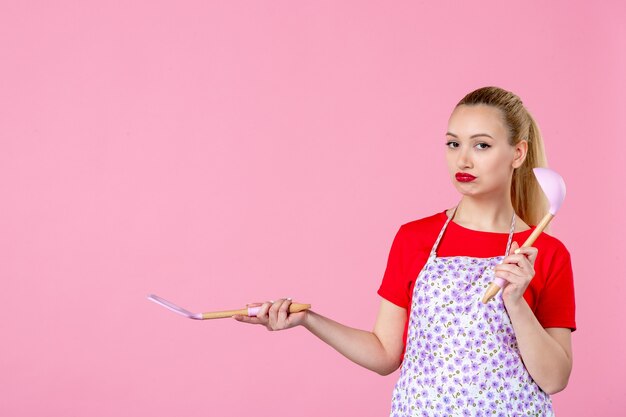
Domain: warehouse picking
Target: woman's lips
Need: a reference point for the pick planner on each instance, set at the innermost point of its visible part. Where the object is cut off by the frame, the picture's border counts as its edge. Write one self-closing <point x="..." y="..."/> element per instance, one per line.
<point x="463" y="177"/>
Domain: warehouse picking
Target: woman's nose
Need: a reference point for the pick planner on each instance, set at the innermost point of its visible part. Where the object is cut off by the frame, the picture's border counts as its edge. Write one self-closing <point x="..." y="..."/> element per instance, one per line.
<point x="464" y="159"/>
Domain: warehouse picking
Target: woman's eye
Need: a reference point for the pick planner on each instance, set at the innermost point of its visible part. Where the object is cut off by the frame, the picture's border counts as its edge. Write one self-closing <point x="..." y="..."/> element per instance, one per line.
<point x="484" y="145"/>
<point x="450" y="142"/>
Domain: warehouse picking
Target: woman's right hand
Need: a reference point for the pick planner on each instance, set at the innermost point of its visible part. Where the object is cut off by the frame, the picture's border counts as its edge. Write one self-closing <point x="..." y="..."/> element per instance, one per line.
<point x="274" y="315"/>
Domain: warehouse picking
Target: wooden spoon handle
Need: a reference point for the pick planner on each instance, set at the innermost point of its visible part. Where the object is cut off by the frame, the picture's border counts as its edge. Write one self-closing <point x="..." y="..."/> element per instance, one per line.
<point x="293" y="308"/>
<point x="494" y="288"/>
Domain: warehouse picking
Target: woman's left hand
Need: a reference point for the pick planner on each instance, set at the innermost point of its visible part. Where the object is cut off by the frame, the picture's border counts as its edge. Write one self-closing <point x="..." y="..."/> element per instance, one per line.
<point x="518" y="269"/>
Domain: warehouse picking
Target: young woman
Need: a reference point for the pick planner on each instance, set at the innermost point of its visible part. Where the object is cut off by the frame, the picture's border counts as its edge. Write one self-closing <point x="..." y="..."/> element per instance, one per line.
<point x="459" y="356"/>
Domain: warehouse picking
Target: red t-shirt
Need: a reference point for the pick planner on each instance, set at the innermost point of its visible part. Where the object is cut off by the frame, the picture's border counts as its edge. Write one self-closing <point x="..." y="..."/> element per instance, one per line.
<point x="550" y="293"/>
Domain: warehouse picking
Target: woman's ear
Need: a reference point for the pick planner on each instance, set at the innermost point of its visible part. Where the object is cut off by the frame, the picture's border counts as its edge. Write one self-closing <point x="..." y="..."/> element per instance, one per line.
<point x="521" y="149"/>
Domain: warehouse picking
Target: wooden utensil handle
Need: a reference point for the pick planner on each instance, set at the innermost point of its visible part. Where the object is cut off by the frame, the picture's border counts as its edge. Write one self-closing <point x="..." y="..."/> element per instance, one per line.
<point x="293" y="308"/>
<point x="535" y="234"/>
<point x="494" y="288"/>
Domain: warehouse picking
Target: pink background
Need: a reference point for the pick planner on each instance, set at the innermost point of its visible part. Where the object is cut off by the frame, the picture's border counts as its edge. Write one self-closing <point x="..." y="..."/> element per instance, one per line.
<point x="219" y="153"/>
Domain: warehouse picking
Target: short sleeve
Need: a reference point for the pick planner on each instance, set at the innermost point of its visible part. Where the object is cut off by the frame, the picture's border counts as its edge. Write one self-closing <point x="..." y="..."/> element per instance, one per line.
<point x="394" y="283"/>
<point x="556" y="306"/>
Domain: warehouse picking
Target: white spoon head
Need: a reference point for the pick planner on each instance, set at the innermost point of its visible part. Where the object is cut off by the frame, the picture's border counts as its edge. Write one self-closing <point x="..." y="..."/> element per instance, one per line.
<point x="553" y="187"/>
<point x="173" y="307"/>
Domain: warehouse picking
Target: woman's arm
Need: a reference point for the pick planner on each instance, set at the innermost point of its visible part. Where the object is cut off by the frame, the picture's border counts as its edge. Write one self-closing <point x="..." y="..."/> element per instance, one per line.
<point x="378" y="351"/>
<point x="547" y="353"/>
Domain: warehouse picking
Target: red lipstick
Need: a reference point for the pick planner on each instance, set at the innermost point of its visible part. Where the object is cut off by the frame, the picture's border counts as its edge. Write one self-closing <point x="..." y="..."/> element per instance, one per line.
<point x="464" y="177"/>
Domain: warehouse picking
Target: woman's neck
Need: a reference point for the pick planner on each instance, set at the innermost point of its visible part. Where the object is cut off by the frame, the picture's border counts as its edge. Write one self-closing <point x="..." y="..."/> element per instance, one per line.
<point x="487" y="215"/>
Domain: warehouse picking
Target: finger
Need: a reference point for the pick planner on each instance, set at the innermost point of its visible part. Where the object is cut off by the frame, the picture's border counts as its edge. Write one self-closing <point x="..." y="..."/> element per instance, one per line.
<point x="283" y="312"/>
<point x="246" y="319"/>
<point x="514" y="274"/>
<point x="273" y="313"/>
<point x="254" y="304"/>
<point x="530" y="252"/>
<point x="514" y="269"/>
<point x="262" y="314"/>
<point x="522" y="261"/>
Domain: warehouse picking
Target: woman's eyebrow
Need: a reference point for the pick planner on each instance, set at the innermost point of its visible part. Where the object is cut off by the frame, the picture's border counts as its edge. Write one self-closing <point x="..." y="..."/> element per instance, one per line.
<point x="471" y="137"/>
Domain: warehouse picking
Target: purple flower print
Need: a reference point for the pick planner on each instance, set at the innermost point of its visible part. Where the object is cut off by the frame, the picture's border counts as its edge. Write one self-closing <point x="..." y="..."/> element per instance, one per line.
<point x="461" y="349"/>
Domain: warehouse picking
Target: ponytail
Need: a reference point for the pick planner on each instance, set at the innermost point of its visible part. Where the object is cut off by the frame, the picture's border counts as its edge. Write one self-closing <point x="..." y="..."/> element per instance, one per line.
<point x="529" y="200"/>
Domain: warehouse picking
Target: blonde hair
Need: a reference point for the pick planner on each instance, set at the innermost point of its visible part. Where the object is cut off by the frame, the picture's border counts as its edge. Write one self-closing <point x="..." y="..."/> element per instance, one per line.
<point x="529" y="201"/>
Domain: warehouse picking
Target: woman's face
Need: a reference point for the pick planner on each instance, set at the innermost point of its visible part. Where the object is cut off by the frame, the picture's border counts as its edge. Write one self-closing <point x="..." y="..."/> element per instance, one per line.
<point x="477" y="144"/>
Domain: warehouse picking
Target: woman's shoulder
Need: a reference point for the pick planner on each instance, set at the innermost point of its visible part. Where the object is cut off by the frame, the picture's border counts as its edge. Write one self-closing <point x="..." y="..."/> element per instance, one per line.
<point x="424" y="226"/>
<point x="433" y="220"/>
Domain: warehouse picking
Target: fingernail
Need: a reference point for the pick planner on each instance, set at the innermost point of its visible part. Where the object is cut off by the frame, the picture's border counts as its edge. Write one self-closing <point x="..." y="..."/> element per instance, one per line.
<point x="516" y="251"/>
<point x="271" y="301"/>
<point x="289" y="298"/>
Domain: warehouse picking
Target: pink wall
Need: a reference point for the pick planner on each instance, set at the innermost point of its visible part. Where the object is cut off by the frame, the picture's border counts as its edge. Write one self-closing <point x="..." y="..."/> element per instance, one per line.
<point x="218" y="153"/>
